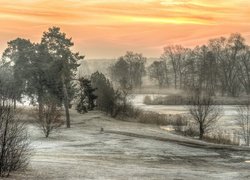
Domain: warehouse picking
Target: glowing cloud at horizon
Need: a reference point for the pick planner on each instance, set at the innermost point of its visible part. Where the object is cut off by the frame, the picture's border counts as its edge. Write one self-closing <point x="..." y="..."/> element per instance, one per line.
<point x="107" y="28"/>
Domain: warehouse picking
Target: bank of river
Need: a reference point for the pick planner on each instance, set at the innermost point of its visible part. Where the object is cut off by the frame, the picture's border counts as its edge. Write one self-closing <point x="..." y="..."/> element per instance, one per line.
<point x="227" y="123"/>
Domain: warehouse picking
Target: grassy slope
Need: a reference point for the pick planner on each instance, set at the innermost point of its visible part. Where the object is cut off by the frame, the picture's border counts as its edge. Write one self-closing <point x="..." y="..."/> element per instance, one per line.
<point x="127" y="150"/>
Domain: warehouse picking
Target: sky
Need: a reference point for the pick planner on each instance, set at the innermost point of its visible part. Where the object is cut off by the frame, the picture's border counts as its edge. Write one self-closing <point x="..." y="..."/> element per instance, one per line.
<point x="109" y="28"/>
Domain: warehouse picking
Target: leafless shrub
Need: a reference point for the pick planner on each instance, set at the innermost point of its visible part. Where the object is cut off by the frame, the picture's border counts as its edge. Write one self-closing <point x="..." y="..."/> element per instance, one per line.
<point x="14" y="144"/>
<point x="180" y="123"/>
<point x="243" y="120"/>
<point x="204" y="112"/>
<point x="50" y="118"/>
<point x="160" y="119"/>
<point x="219" y="138"/>
<point x="126" y="110"/>
<point x="190" y="130"/>
<point x="152" y="118"/>
<point x="147" y="100"/>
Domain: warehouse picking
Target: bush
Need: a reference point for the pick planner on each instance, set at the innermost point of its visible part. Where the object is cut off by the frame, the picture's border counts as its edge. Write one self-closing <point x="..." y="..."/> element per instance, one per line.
<point x="124" y="111"/>
<point x="82" y="107"/>
<point x="50" y="118"/>
<point x="156" y="118"/>
<point x="190" y="130"/>
<point x="147" y="100"/>
<point x="153" y="118"/>
<point x="109" y="100"/>
<point x="86" y="96"/>
<point x="106" y="95"/>
<point x="219" y="138"/>
<point x="180" y="123"/>
<point x="14" y="143"/>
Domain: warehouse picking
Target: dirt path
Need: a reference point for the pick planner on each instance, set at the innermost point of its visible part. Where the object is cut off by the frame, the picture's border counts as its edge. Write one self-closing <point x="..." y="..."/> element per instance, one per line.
<point x="128" y="150"/>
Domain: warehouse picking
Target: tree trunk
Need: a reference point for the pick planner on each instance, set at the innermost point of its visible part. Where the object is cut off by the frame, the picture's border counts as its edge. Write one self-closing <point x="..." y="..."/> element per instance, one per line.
<point x="175" y="81"/>
<point x="248" y="128"/>
<point x="201" y="132"/>
<point x="180" y="81"/>
<point x="3" y="143"/>
<point x="40" y="106"/>
<point x="47" y="134"/>
<point x="14" y="103"/>
<point x="66" y="102"/>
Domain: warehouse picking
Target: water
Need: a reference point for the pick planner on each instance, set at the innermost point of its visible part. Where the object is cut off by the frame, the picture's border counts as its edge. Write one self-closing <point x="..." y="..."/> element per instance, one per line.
<point x="226" y="124"/>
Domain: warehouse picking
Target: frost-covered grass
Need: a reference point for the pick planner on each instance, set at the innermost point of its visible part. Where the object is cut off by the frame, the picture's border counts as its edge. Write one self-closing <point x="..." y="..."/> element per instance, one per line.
<point x="126" y="150"/>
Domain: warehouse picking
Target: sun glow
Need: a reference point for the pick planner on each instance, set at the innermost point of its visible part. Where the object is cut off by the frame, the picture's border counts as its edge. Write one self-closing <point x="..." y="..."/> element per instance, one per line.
<point x="111" y="27"/>
<point x="169" y="20"/>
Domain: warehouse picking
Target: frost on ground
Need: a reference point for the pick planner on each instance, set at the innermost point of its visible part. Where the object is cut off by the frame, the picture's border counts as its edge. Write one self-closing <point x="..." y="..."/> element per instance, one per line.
<point x="127" y="150"/>
<point x="226" y="124"/>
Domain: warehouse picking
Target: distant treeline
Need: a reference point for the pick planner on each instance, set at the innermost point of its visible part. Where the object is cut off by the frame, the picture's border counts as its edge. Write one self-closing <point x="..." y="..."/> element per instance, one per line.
<point x="221" y="66"/>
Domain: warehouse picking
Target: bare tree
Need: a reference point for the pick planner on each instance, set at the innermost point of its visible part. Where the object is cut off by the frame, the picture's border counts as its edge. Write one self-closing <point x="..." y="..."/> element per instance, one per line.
<point x="244" y="69"/>
<point x="14" y="144"/>
<point x="227" y="53"/>
<point x="129" y="70"/>
<point x="50" y="119"/>
<point x="205" y="69"/>
<point x="243" y="120"/>
<point x="177" y="56"/>
<point x="158" y="70"/>
<point x="204" y="112"/>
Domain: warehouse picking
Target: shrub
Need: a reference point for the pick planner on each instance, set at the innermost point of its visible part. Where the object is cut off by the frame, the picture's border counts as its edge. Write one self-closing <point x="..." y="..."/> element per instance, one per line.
<point x="109" y="100"/>
<point x="219" y="138"/>
<point x="152" y="118"/>
<point x="82" y="107"/>
<point x="204" y="112"/>
<point x="147" y="100"/>
<point x="190" y="130"/>
<point x="14" y="143"/>
<point x="105" y="93"/>
<point x="86" y="96"/>
<point x="50" y="118"/>
<point x="180" y="123"/>
<point x="127" y="111"/>
<point x="159" y="119"/>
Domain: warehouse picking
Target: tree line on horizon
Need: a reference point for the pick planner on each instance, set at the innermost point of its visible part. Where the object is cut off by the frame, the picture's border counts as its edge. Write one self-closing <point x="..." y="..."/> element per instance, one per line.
<point x="46" y="72"/>
<point x="221" y="66"/>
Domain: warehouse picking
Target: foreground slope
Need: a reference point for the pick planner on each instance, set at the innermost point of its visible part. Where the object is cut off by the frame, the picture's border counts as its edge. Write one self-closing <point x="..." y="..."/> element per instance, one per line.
<point x="126" y="150"/>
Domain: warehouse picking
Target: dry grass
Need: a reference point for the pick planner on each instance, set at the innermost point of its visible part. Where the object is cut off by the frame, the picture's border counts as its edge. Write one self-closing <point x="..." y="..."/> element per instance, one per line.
<point x="219" y="138"/>
<point x="26" y="114"/>
<point x="137" y="115"/>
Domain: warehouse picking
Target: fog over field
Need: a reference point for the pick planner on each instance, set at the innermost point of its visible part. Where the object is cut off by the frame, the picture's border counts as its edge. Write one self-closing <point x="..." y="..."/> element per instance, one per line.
<point x="125" y="90"/>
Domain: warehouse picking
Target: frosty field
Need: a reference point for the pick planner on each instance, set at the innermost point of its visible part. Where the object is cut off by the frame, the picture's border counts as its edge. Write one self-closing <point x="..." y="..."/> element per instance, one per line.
<point x="127" y="150"/>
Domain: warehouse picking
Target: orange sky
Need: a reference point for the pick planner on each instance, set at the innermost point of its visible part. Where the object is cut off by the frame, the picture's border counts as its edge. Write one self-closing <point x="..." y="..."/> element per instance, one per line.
<point x="108" y="28"/>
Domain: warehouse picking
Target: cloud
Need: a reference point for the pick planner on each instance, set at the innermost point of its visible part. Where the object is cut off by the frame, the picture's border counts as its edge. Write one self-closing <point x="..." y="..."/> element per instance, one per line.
<point x="142" y="25"/>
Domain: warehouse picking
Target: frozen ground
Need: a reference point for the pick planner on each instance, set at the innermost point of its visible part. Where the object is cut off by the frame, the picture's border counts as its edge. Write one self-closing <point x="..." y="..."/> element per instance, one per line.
<point x="226" y="123"/>
<point x="127" y="150"/>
